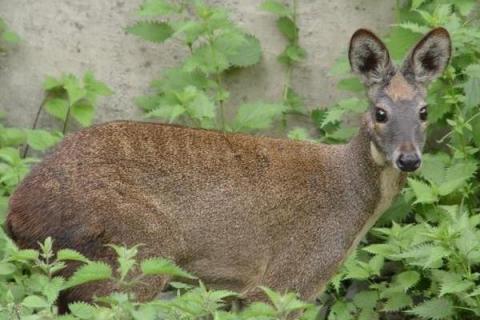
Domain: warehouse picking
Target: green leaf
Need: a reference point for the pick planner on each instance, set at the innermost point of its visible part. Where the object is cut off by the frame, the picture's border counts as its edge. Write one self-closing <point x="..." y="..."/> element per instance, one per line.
<point x="94" y="87"/>
<point x="451" y="282"/>
<point x="383" y="249"/>
<point x="423" y="192"/>
<point x="52" y="83"/>
<point x="207" y="59"/>
<point x="35" y="302"/>
<point x="71" y="255"/>
<point x="277" y="8"/>
<point x="255" y="116"/>
<point x="397" y="301"/>
<point x="74" y="89"/>
<point x="167" y="112"/>
<point x="288" y="28"/>
<point x="57" y="107"/>
<point x="82" y="310"/>
<point x="366" y="299"/>
<point x="25" y="255"/>
<point x="159" y="266"/>
<point x="294" y="53"/>
<point x="472" y="94"/>
<point x="151" y="31"/>
<point x="416" y="4"/>
<point x="437" y="308"/>
<point x="407" y="279"/>
<point x="83" y="112"/>
<point x="10" y="37"/>
<point x="42" y="140"/>
<point x="6" y="268"/>
<point x="300" y="134"/>
<point x="94" y="271"/>
<point x="248" y="53"/>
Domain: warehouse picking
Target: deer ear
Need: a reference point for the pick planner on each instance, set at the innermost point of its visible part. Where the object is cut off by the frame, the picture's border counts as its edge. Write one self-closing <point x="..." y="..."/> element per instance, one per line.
<point x="369" y="57"/>
<point x="429" y="57"/>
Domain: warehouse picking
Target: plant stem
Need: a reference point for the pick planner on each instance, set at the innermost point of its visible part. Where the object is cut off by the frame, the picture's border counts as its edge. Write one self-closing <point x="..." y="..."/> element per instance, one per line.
<point x="67" y="119"/>
<point x="35" y="122"/>
<point x="220" y="101"/>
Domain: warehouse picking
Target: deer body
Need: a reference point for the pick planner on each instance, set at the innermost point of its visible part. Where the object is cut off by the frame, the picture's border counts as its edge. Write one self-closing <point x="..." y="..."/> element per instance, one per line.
<point x="228" y="208"/>
<point x="237" y="211"/>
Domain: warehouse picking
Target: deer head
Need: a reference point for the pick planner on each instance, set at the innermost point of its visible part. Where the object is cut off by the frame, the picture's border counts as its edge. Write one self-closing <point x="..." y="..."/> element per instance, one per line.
<point x="397" y="118"/>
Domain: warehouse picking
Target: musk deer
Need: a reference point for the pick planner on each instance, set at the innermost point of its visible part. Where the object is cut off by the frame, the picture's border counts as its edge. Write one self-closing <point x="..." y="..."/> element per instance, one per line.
<point x="236" y="210"/>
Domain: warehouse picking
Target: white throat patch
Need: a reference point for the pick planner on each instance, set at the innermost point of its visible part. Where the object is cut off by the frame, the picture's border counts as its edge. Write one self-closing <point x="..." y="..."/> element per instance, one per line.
<point x="377" y="156"/>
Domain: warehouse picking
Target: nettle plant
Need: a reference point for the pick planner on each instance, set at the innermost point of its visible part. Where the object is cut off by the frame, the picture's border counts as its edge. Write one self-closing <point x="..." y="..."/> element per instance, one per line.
<point x="422" y="260"/>
<point x="194" y="93"/>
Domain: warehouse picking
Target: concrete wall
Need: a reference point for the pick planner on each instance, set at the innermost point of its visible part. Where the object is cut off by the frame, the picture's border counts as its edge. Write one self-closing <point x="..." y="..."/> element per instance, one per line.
<point x="79" y="35"/>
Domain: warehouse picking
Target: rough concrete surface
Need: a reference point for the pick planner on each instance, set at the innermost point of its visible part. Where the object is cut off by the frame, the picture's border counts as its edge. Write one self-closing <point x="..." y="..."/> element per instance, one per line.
<point x="62" y="36"/>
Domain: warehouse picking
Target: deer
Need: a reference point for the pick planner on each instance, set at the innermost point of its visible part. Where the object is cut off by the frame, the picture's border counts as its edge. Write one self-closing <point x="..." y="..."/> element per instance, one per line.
<point x="238" y="211"/>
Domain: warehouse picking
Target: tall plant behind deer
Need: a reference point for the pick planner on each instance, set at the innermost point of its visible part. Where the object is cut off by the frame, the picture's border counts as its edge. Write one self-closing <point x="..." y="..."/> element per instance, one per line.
<point x="236" y="210"/>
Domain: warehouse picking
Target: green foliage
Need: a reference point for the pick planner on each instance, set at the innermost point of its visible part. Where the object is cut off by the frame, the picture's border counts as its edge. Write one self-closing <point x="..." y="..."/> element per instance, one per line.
<point x="7" y="36"/>
<point x="422" y="259"/>
<point x="69" y="97"/>
<point x="433" y="243"/>
<point x="193" y="93"/>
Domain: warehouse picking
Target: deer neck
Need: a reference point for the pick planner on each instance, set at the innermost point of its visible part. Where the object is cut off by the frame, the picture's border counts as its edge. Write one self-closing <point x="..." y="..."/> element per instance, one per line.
<point x="374" y="180"/>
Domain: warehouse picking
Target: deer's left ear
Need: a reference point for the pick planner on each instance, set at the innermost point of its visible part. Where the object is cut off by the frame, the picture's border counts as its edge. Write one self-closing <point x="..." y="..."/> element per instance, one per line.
<point x="429" y="57"/>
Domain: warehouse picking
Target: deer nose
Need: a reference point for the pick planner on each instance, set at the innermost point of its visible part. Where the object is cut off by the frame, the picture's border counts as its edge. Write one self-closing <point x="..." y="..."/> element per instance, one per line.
<point x="408" y="161"/>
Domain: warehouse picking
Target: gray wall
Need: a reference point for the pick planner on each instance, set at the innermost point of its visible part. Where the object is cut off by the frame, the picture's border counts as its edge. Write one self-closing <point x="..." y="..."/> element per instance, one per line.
<point x="78" y="35"/>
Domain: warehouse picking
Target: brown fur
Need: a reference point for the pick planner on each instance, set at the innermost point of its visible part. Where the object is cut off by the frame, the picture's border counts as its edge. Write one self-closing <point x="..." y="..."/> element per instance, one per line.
<point x="236" y="210"/>
<point x="399" y="89"/>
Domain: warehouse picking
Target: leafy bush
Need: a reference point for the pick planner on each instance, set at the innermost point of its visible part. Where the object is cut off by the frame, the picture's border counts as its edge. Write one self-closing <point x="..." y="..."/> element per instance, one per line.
<point x="422" y="259"/>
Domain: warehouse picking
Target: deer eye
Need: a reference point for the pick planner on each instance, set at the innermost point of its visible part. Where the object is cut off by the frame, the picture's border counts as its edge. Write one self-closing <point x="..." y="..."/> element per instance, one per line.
<point x="380" y="115"/>
<point x="423" y="114"/>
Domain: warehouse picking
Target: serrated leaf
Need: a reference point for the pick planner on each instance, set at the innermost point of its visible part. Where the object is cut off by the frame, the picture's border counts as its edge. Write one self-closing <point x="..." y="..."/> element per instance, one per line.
<point x="74" y="89"/>
<point x="366" y="299"/>
<point x="94" y="87"/>
<point x="425" y="255"/>
<point x="436" y="309"/>
<point x="254" y="116"/>
<point x="383" y="249"/>
<point x="6" y="268"/>
<point x="25" y="254"/>
<point x="57" y="107"/>
<point x="35" y="302"/>
<point x="423" y="192"/>
<point x="83" y="112"/>
<point x="42" y="140"/>
<point x="71" y="255"/>
<point x="397" y="301"/>
<point x="167" y="112"/>
<point x="82" y="310"/>
<point x="94" y="271"/>
<point x="208" y="59"/>
<point x="52" y="289"/>
<point x="51" y="83"/>
<point x="451" y="282"/>
<point x="288" y="28"/>
<point x="472" y="94"/>
<point x="407" y="279"/>
<point x="246" y="54"/>
<point x="152" y="31"/>
<point x="159" y="266"/>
